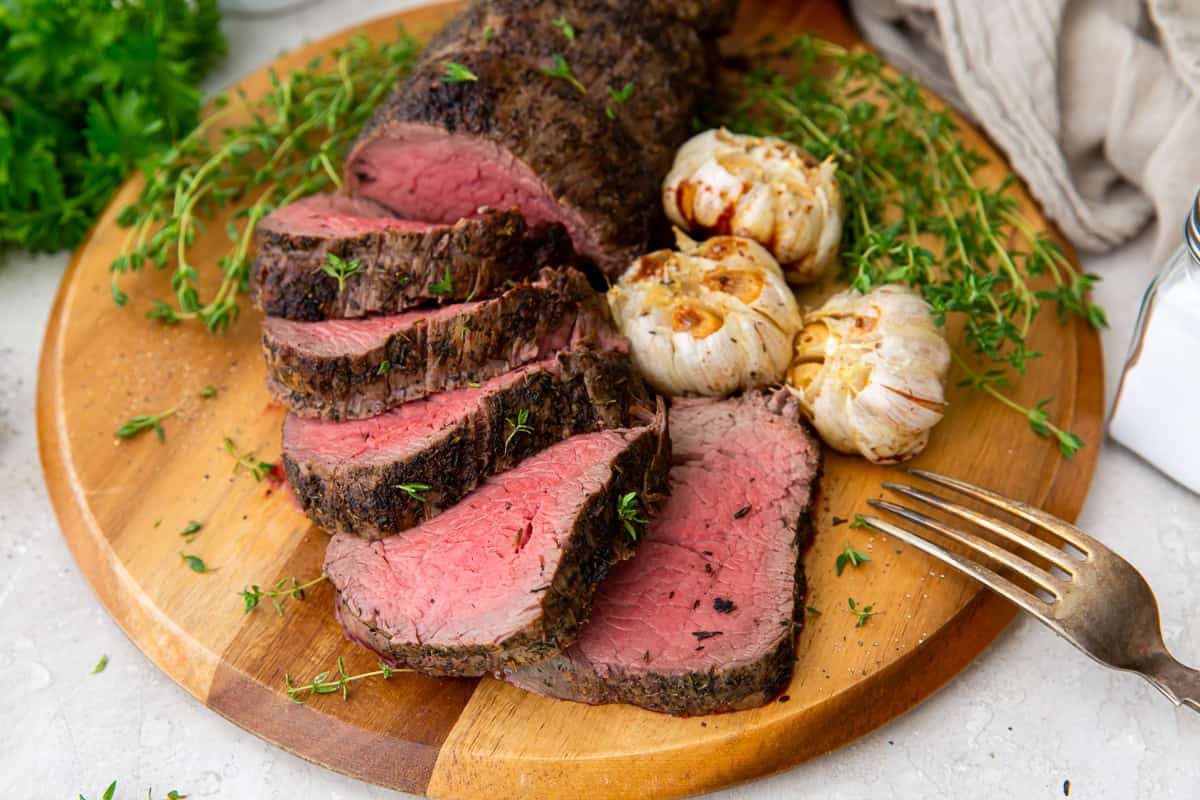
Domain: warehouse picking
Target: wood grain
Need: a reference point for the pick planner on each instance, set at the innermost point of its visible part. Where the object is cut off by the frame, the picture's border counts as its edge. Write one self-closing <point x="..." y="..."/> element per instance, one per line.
<point x="467" y="738"/>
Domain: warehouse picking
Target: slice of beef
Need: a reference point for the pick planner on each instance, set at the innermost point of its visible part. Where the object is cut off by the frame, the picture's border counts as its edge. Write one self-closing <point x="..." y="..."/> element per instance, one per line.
<point x="665" y="62"/>
<point x="703" y="619"/>
<point x="382" y="475"/>
<point x="401" y="264"/>
<point x="506" y="577"/>
<point x="437" y="150"/>
<point x="352" y="369"/>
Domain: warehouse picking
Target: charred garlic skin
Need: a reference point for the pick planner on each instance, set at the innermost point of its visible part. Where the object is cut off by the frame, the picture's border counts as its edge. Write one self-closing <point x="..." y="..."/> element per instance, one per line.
<point x="870" y="371"/>
<point x="763" y="189"/>
<point x="709" y="318"/>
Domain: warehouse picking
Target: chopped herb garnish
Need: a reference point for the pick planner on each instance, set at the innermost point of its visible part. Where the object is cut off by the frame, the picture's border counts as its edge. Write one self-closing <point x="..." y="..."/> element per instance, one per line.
<point x="471" y="295"/>
<point x="195" y="563"/>
<point x="564" y="26"/>
<point x="100" y="665"/>
<point x="850" y="556"/>
<point x="618" y="96"/>
<point x="414" y="490"/>
<point x="518" y="426"/>
<point x="158" y="522"/>
<point x="145" y="422"/>
<point x="322" y="684"/>
<point x="860" y="522"/>
<point x="816" y="612"/>
<point x="457" y="73"/>
<point x="253" y="593"/>
<point x="723" y="606"/>
<point x="702" y="635"/>
<point x="259" y="469"/>
<point x="108" y="793"/>
<point x="562" y="69"/>
<point x="190" y="530"/>
<point x="741" y="512"/>
<point x="474" y="384"/>
<point x="175" y="795"/>
<point x="863" y="614"/>
<point x="208" y="392"/>
<point x="488" y="33"/>
<point x="628" y="511"/>
<point x="444" y="285"/>
<point x="336" y="267"/>
<point x="384" y="367"/>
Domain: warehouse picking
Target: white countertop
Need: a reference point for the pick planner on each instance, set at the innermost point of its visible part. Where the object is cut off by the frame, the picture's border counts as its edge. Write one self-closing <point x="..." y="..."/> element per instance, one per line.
<point x="1028" y="715"/>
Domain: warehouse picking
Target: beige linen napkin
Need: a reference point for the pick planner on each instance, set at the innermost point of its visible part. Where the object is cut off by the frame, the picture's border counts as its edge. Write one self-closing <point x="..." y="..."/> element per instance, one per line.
<point x="1096" y="103"/>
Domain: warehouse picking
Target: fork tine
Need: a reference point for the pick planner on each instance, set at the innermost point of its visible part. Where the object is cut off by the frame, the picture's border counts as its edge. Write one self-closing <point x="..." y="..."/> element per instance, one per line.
<point x="1034" y="605"/>
<point x="1013" y="562"/>
<point x="1015" y="535"/>
<point x="1065" y="530"/>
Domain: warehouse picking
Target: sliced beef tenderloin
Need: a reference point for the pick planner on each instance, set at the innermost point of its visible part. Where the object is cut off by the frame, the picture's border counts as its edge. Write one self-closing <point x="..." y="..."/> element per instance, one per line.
<point x="703" y="619"/>
<point x="437" y="150"/>
<point x="665" y="63"/>
<point x="506" y="577"/>
<point x="353" y="369"/>
<point x="401" y="264"/>
<point x="382" y="475"/>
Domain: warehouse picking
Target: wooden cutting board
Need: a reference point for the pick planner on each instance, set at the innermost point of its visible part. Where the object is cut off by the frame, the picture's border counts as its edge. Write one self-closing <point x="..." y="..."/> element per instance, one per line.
<point x="482" y="738"/>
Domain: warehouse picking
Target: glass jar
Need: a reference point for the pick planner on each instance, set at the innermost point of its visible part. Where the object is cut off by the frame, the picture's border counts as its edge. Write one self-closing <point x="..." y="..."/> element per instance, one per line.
<point x="1155" y="414"/>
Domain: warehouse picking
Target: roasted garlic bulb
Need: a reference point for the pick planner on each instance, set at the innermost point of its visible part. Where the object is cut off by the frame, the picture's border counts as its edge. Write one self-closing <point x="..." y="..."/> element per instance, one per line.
<point x="869" y="371"/>
<point x="708" y="318"/>
<point x="764" y="189"/>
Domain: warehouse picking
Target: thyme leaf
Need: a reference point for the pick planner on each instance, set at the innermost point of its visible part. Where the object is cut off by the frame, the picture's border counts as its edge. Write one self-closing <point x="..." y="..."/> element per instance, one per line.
<point x="190" y="530"/>
<point x="850" y="556"/>
<point x="518" y="426"/>
<point x="414" y="490"/>
<point x="864" y="613"/>
<point x="444" y="285"/>
<point x="457" y="73"/>
<point x="385" y="367"/>
<point x="145" y="422"/>
<point x="100" y="665"/>
<point x="258" y="469"/>
<point x="195" y="563"/>
<point x="564" y="26"/>
<point x="562" y="69"/>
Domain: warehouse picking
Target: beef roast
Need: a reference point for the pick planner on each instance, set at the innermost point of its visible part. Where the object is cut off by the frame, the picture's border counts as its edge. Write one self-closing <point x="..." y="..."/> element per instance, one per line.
<point x="378" y="476"/>
<point x="437" y="150"/>
<point x="401" y="264"/>
<point x="703" y="619"/>
<point x="506" y="577"/>
<point x="664" y="61"/>
<point x="352" y="369"/>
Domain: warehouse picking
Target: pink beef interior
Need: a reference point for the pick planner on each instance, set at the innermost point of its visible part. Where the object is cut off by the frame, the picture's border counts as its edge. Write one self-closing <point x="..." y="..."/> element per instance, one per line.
<point x="422" y="172"/>
<point x="464" y="577"/>
<point x="337" y="216"/>
<point x="348" y="337"/>
<point x="727" y="457"/>
<point x="393" y="435"/>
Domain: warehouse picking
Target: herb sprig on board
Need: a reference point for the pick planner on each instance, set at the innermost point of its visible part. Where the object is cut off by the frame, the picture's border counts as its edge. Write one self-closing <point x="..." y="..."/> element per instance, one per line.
<point x="252" y="594"/>
<point x="917" y="211"/>
<point x="251" y="157"/>
<point x="324" y="684"/>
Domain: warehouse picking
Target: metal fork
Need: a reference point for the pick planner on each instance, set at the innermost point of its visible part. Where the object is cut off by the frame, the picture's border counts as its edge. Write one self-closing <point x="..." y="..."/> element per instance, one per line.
<point x="1096" y="600"/>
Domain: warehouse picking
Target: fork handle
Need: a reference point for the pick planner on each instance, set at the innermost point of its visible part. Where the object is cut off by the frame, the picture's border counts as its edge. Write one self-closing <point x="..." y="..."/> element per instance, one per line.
<point x="1179" y="683"/>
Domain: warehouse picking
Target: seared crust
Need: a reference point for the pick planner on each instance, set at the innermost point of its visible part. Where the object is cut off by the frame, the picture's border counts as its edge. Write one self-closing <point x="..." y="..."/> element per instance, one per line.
<point x="596" y="541"/>
<point x="397" y="269"/>
<point x="664" y="60"/>
<point x="589" y="162"/>
<point x="482" y="341"/>
<point x="589" y="390"/>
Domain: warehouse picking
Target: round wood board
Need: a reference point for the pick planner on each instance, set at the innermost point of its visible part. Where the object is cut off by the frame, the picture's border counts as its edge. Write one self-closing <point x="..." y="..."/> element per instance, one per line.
<point x="483" y="738"/>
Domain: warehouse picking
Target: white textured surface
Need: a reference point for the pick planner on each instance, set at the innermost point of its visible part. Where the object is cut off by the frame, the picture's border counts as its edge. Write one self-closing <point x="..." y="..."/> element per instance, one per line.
<point x="1029" y="714"/>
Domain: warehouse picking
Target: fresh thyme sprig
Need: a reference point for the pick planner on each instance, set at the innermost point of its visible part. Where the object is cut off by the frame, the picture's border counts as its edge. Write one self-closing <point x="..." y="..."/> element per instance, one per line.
<point x="916" y="212"/>
<point x="850" y="556"/>
<point x="251" y="157"/>
<point x="562" y="69"/>
<point x="453" y="72"/>
<point x="252" y="594"/>
<point x="322" y="684"/>
<point x="145" y="422"/>
<point x="518" y="426"/>
<point x="864" y="613"/>
<point x="338" y="268"/>
<point x="259" y="469"/>
<point x="629" y="512"/>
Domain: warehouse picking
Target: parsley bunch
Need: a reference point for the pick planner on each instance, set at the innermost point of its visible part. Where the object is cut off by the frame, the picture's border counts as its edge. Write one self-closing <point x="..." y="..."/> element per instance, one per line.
<point x="251" y="156"/>
<point x="89" y="89"/>
<point x="916" y="212"/>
